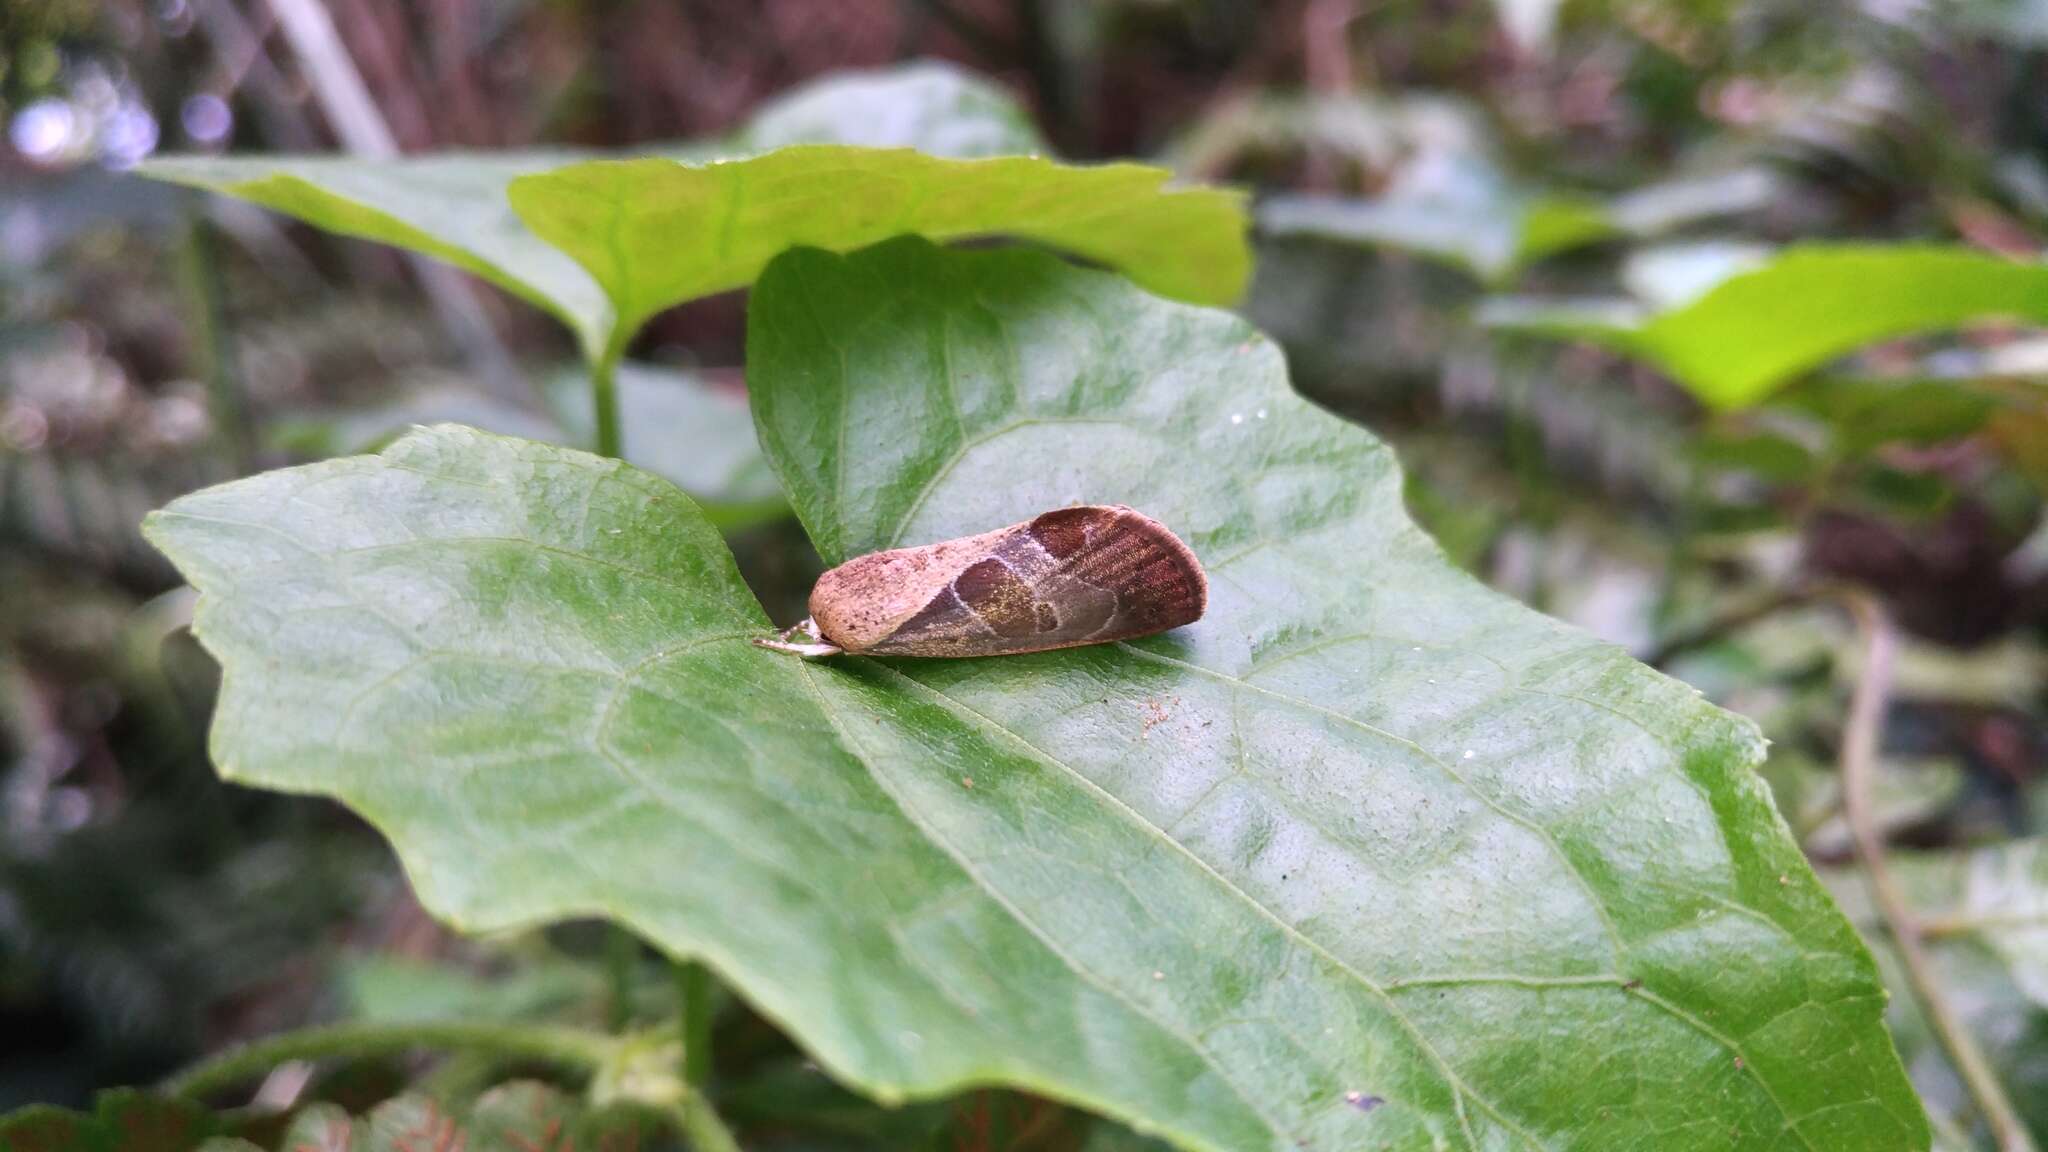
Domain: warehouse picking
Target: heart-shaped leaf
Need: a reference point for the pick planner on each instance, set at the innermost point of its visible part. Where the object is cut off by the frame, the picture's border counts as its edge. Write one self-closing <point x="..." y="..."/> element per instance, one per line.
<point x="1767" y="325"/>
<point x="1368" y="857"/>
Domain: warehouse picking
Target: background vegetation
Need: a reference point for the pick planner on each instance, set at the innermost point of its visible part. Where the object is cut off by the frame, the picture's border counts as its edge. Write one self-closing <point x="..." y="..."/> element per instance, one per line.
<point x="1489" y="232"/>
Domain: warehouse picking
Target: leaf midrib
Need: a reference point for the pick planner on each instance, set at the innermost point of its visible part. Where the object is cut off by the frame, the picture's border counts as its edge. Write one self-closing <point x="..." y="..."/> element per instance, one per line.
<point x="988" y="890"/>
<point x="1451" y="1079"/>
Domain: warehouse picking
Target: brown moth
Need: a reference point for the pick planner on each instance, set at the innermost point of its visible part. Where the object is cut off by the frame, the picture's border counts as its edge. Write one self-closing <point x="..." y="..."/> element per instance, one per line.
<point x="1083" y="575"/>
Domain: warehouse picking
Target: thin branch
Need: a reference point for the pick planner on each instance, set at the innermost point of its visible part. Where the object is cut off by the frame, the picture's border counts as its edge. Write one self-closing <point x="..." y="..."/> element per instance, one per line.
<point x="1859" y="758"/>
<point x="573" y="1049"/>
<point x="702" y="1126"/>
<point x="1966" y="923"/>
<point x="1736" y="618"/>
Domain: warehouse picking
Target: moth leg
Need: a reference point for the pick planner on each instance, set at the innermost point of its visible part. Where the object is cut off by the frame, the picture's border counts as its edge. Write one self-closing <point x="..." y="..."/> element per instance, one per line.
<point x="814" y="646"/>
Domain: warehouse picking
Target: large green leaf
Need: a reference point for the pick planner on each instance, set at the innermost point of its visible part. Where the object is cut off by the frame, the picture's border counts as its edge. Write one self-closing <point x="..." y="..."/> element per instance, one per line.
<point x="1764" y="327"/>
<point x="691" y="220"/>
<point x="657" y="232"/>
<point x="1369" y="857"/>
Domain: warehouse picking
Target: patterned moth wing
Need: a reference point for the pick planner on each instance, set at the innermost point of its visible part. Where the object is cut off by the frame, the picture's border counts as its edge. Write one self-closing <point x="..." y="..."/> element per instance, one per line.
<point x="1084" y="575"/>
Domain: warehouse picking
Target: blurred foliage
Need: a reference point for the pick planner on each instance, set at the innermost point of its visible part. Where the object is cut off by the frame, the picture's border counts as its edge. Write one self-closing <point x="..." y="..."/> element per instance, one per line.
<point x="1420" y="168"/>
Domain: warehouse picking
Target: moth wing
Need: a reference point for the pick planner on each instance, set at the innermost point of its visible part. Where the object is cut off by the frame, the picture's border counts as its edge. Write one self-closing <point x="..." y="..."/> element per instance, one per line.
<point x="1155" y="581"/>
<point x="1076" y="576"/>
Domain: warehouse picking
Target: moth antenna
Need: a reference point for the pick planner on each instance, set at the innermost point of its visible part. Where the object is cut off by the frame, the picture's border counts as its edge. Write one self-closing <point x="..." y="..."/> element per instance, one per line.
<point x="814" y="647"/>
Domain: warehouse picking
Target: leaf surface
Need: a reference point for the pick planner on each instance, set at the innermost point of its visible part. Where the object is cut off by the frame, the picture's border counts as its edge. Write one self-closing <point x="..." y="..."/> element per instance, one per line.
<point x="656" y="232"/>
<point x="451" y="207"/>
<point x="1368" y="857"/>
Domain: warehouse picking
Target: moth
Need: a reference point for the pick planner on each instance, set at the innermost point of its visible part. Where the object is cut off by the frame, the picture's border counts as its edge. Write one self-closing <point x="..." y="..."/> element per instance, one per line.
<point x="1083" y="575"/>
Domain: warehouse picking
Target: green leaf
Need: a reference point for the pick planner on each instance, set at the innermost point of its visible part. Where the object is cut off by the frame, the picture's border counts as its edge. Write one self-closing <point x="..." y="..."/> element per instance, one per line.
<point x="391" y="989"/>
<point x="1865" y="412"/>
<point x="451" y="207"/>
<point x="1489" y="241"/>
<point x="928" y="105"/>
<point x="1768" y="456"/>
<point x="655" y="232"/>
<point x="1760" y="329"/>
<point x="122" y="1120"/>
<point x="454" y="207"/>
<point x="715" y="212"/>
<point x="1369" y="855"/>
<point x="1474" y="219"/>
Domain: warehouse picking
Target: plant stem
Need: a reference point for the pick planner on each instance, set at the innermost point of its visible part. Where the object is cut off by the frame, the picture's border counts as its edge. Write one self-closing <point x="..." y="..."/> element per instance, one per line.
<point x="693" y="987"/>
<point x="604" y="396"/>
<point x="570" y="1048"/>
<point x="211" y="358"/>
<point x="621" y="951"/>
<point x="702" y="1126"/>
<point x="1859" y="757"/>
